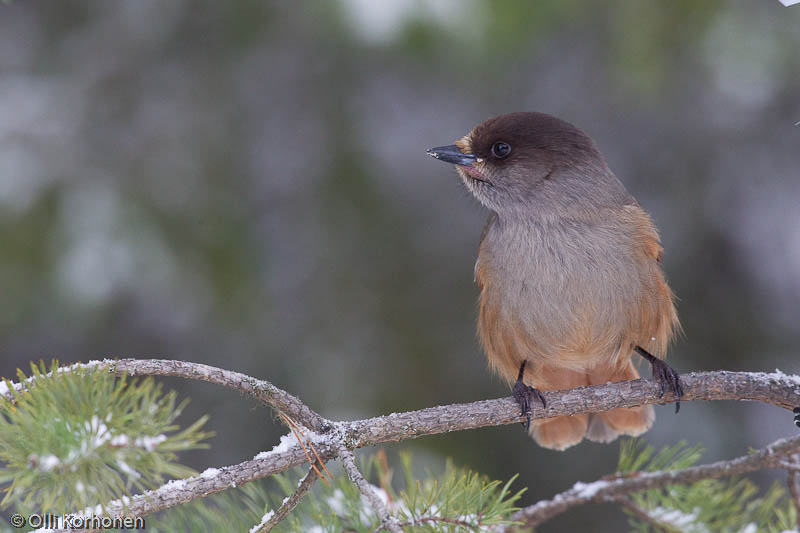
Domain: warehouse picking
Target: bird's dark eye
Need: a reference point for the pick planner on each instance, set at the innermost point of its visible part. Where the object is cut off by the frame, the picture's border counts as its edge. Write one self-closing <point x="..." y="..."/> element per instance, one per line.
<point x="501" y="150"/>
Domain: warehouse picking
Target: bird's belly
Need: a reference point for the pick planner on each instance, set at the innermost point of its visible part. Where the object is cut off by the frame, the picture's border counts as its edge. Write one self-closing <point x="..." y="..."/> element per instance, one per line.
<point x="573" y="322"/>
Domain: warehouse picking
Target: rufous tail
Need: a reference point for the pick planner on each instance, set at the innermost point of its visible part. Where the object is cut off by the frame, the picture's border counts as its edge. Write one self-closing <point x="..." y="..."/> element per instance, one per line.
<point x="562" y="432"/>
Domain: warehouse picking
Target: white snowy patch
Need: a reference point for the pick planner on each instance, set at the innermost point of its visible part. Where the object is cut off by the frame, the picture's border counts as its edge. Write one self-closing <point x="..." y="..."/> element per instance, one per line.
<point x="209" y="473"/>
<point x="126" y="469"/>
<point x="49" y="462"/>
<point x="264" y="519"/>
<point x="288" y="441"/>
<point x="91" y="364"/>
<point x="588" y="490"/>
<point x="149" y="443"/>
<point x="174" y="485"/>
<point x="686" y="523"/>
<point x="778" y="375"/>
<point x="119" y="441"/>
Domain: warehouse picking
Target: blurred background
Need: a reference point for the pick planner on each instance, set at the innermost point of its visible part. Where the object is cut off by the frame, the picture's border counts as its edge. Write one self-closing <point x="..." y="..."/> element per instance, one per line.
<point x="245" y="184"/>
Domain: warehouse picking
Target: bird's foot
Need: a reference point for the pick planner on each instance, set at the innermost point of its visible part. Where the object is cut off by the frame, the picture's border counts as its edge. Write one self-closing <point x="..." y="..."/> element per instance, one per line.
<point x="665" y="376"/>
<point x="524" y="395"/>
<point x="797" y="416"/>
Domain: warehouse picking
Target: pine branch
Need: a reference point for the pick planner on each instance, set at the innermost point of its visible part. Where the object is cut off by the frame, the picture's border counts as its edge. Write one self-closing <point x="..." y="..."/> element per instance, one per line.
<point x="355" y="475"/>
<point x="182" y="491"/>
<point x="601" y="490"/>
<point x="271" y="519"/>
<point x="793" y="482"/>
<point x="789" y="466"/>
<point x="73" y="439"/>
<point x="774" y="388"/>
<point x="261" y="390"/>
<point x="642" y="513"/>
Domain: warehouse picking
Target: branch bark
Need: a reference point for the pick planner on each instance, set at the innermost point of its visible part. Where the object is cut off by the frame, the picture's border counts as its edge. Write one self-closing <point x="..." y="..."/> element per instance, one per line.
<point x="774" y="388"/>
<point x="636" y="510"/>
<point x="793" y="483"/>
<point x="261" y="390"/>
<point x="271" y="520"/>
<point x="349" y="464"/>
<point x="602" y="490"/>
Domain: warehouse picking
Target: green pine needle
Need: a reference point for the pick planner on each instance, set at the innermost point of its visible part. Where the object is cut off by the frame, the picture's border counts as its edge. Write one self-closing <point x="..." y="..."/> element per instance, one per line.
<point x="458" y="500"/>
<point x="70" y="440"/>
<point x="731" y="505"/>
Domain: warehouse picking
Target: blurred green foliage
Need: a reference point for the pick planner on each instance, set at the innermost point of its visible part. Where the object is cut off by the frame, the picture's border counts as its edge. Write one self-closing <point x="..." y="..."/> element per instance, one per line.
<point x="245" y="184"/>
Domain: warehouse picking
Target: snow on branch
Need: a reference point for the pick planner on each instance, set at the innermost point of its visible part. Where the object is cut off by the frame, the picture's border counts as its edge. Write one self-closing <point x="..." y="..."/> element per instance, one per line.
<point x="330" y="438"/>
<point x="605" y="490"/>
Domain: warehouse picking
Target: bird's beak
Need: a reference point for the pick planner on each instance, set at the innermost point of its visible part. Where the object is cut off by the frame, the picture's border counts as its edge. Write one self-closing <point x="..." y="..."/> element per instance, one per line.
<point x="451" y="154"/>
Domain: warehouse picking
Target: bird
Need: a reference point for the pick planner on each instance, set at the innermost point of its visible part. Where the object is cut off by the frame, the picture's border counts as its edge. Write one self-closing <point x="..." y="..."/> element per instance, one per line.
<point x="568" y="270"/>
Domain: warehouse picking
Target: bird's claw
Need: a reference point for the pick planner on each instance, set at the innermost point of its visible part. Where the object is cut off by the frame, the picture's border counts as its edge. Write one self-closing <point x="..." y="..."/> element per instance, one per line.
<point x="524" y="395"/>
<point x="667" y="377"/>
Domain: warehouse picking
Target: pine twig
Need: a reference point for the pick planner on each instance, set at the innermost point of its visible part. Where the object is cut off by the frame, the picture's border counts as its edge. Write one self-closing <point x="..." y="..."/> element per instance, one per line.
<point x="774" y="388"/>
<point x="349" y="464"/>
<point x="289" y="503"/>
<point x="642" y="513"/>
<point x="261" y="390"/>
<point x="793" y="482"/>
<point x="599" y="491"/>
<point x="789" y="466"/>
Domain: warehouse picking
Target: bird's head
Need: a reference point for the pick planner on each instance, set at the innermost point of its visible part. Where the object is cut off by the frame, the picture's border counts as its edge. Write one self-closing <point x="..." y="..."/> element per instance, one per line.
<point x="521" y="163"/>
